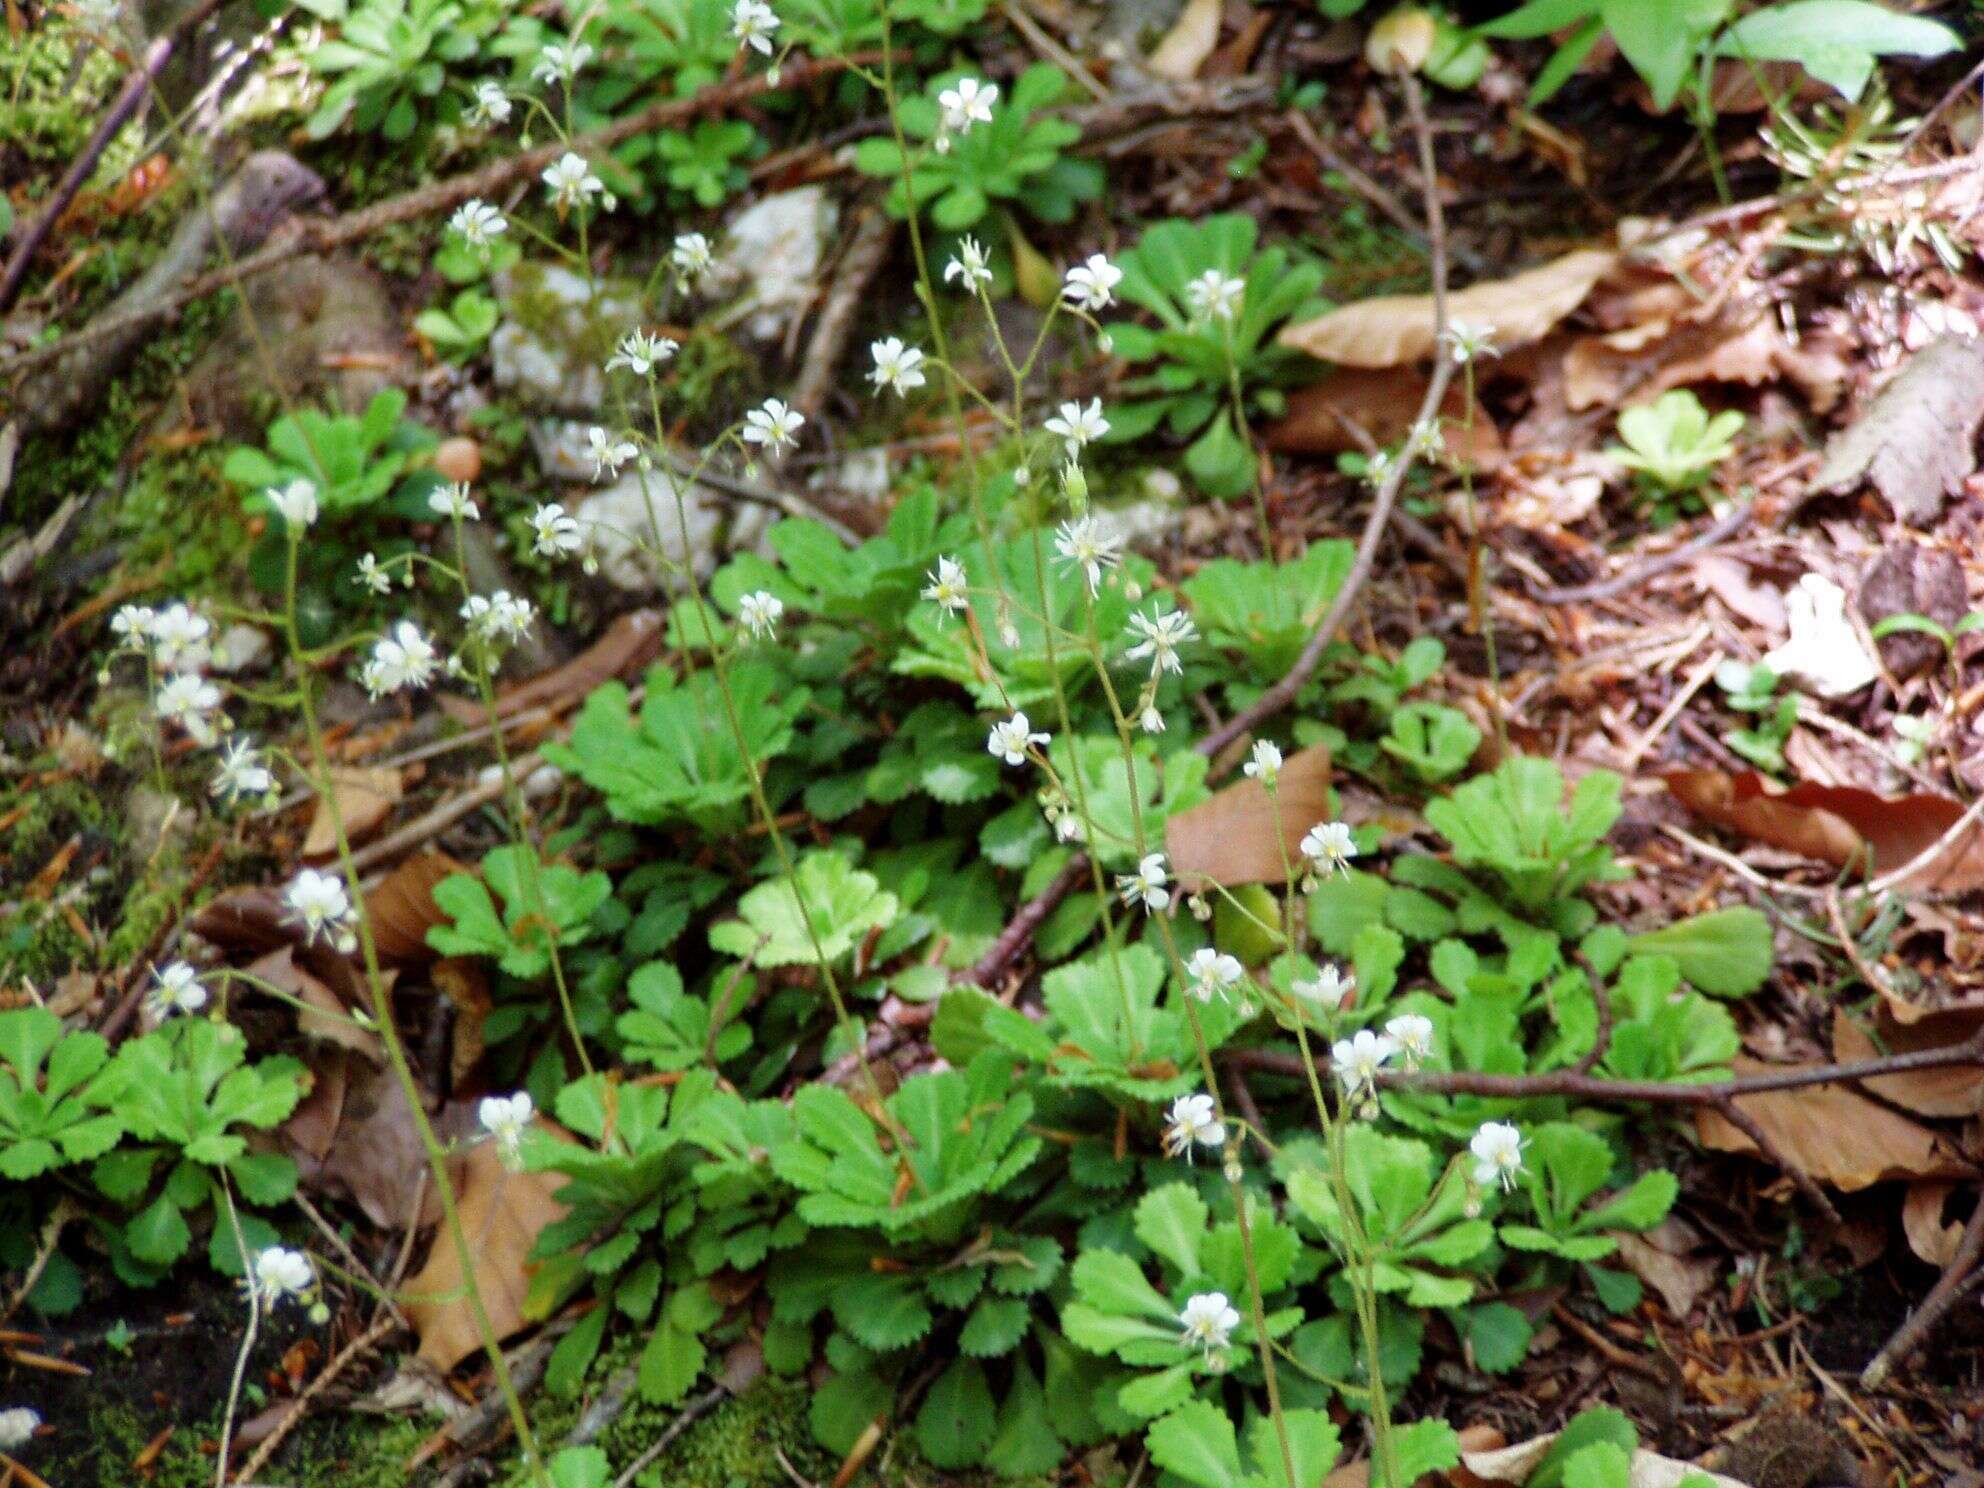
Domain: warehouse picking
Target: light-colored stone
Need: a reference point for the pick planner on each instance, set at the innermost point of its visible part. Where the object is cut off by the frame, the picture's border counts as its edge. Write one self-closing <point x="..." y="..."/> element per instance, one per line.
<point x="550" y="349"/>
<point x="1137" y="524"/>
<point x="242" y="648"/>
<point x="773" y="253"/>
<point x="638" y="516"/>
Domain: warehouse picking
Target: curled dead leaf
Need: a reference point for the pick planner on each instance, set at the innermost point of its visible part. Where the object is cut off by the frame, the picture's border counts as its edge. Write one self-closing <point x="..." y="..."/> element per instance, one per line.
<point x="1515" y="1464"/>
<point x="1930" y="1236"/>
<point x="363" y="797"/>
<point x="1917" y="441"/>
<point x="1231" y="839"/>
<point x="321" y="1013"/>
<point x="1835" y="1134"/>
<point x="402" y="910"/>
<point x="1358" y="409"/>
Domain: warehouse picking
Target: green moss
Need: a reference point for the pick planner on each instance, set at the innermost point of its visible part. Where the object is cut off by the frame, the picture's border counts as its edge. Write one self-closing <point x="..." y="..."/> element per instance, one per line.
<point x="45" y="113"/>
<point x="325" y="1451"/>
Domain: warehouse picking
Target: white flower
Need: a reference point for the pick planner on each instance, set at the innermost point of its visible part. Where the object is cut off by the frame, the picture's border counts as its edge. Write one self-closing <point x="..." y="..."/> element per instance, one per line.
<point x="1497" y="1149"/>
<point x="490" y="105"/>
<point x="296" y="502"/>
<point x="401" y="658"/>
<point x="1147" y="886"/>
<point x="896" y="366"/>
<point x="948" y="589"/>
<point x="1162" y="635"/>
<point x="1151" y="721"/>
<point x="453" y="500"/>
<point x="132" y="625"/>
<point x="641" y="353"/>
<point x="1082" y="544"/>
<point x="773" y="425"/>
<point x="966" y="103"/>
<point x="177" y="990"/>
<point x="1213" y="973"/>
<point x="371" y="576"/>
<point x="506" y="1118"/>
<point x="187" y="699"/>
<point x="1378" y="468"/>
<point x="571" y="182"/>
<point x="1193" y="1123"/>
<point x="1413" y="1034"/>
<point x="1328" y="846"/>
<point x="1468" y="342"/>
<point x="560" y="63"/>
<point x="752" y="22"/>
<point x="1009" y="740"/>
<point x="1092" y="285"/>
<point x="500" y="618"/>
<point x="1265" y="764"/>
<point x="608" y="454"/>
<point x="1359" y="1058"/>
<point x="1327" y="989"/>
<point x="242" y="772"/>
<point x="969" y="265"/>
<point x="1216" y="296"/>
<point x="1825" y="651"/>
<point x="554" y="531"/>
<point x="179" y="638"/>
<point x="319" y="901"/>
<point x="279" y="1273"/>
<point x="1077" y="426"/>
<point x="1209" y="1321"/>
<point x="478" y="224"/>
<point x="691" y="256"/>
<point x="760" y="611"/>
<point x="17" y="1427"/>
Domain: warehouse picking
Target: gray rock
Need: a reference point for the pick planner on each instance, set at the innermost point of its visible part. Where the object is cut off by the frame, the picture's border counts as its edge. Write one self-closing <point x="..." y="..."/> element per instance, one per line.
<point x="550" y="349"/>
<point x="637" y="517"/>
<point x="773" y="253"/>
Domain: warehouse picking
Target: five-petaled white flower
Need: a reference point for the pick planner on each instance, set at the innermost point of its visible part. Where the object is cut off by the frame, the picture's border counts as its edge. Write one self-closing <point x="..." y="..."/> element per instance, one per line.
<point x="319" y="901"/>
<point x="1092" y="285"/>
<point x="1192" y="1123"/>
<point x="1151" y="721"/>
<point x="1265" y="763"/>
<point x="560" y="62"/>
<point x="1329" y="846"/>
<point x="132" y="625"/>
<point x="1467" y="341"/>
<point x="506" y="1118"/>
<point x="1083" y="544"/>
<point x="1213" y="973"/>
<point x="752" y="22"/>
<point x="773" y="425"/>
<point x="691" y="256"/>
<point x="969" y="264"/>
<point x="499" y="618"/>
<point x="1327" y="989"/>
<point x="478" y="224"/>
<point x="189" y="700"/>
<point x="454" y="501"/>
<point x="489" y="104"/>
<point x="1216" y="296"/>
<point x="554" y="531"/>
<point x="1078" y="426"/>
<point x="608" y="454"/>
<point x="896" y="366"/>
<point x="760" y="611"/>
<point x="371" y="576"/>
<point x="1162" y="635"/>
<point x="279" y="1273"/>
<point x="641" y="353"/>
<point x="571" y="181"/>
<point x="967" y="102"/>
<point x="948" y="589"/>
<point x="1413" y="1033"/>
<point x="1497" y="1149"/>
<point x="295" y="502"/>
<point x="1359" y="1058"/>
<point x="176" y="989"/>
<point x="18" y="1425"/>
<point x="179" y="637"/>
<point x="400" y="658"/>
<point x="1010" y="740"/>
<point x="1148" y="886"/>
<point x="1209" y="1321"/>
<point x="242" y="772"/>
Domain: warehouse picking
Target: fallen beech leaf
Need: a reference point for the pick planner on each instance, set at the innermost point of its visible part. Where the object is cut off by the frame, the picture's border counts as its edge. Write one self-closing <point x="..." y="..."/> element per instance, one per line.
<point x="466" y="985"/>
<point x="502" y="1214"/>
<point x="631" y="641"/>
<point x="1930" y="1236"/>
<point x="1664" y="1258"/>
<point x="321" y="1014"/>
<point x="1393" y="330"/>
<point x="402" y="910"/>
<point x="373" y="1155"/>
<point x="1835" y="1134"/>
<point x="1514" y="1464"/>
<point x="1642" y="361"/>
<point x="1943" y="1092"/>
<point x="1356" y="409"/>
<point x="1840" y="824"/>
<point x="1188" y="43"/>
<point x="1230" y="839"/>
<point x="363" y="797"/>
<point x="1917" y="441"/>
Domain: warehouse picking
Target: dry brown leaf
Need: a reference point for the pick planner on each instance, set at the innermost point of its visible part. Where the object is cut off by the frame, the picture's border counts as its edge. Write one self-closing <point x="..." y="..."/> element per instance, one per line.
<point x="402" y="910"/>
<point x="1394" y="330"/>
<point x="1930" y="1236"/>
<point x="1188" y="43"/>
<point x="1515" y="1464"/>
<point x="1230" y="839"/>
<point x="502" y="1214"/>
<point x="367" y="1149"/>
<point x="1840" y="825"/>
<point x="1917" y="441"/>
<point x="630" y="642"/>
<point x="1729" y="580"/>
<point x="1835" y="1134"/>
<point x="465" y="982"/>
<point x="363" y="796"/>
<point x="321" y="1013"/>
<point x="1355" y="409"/>
<point x="1666" y="1259"/>
<point x="1641" y="362"/>
<point x="1957" y="1091"/>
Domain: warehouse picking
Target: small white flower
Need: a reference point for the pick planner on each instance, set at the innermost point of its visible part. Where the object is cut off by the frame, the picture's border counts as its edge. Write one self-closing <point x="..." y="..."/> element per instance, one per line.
<point x="1082" y="544"/>
<point x="189" y="700"/>
<point x="1213" y="973"/>
<point x="571" y="182"/>
<point x="179" y="639"/>
<point x="1147" y="886"/>
<point x="1413" y="1033"/>
<point x="371" y="576"/>
<point x="242" y="772"/>
<point x="1327" y="989"/>
<point x="1378" y="468"/>
<point x="608" y="454"/>
<point x="1216" y="296"/>
<point x="296" y="502"/>
<point x="176" y="989"/>
<point x="773" y="425"/>
<point x="1467" y="342"/>
<point x="319" y="901"/>
<point x="554" y="531"/>
<point x="506" y="1118"/>
<point x="279" y="1273"/>
<point x="1192" y="1123"/>
<point x="132" y="625"/>
<point x="752" y="22"/>
<point x="1151" y="721"/>
<point x="1329" y="847"/>
<point x="759" y="612"/>
<point x="691" y="256"/>
<point x="18" y="1426"/>
<point x="1161" y="636"/>
<point x="641" y="353"/>
<point x="896" y="366"/>
<point x="970" y="265"/>
<point x="478" y="224"/>
<point x="401" y="658"/>
<point x="1497" y="1149"/>
<point x="1265" y="764"/>
<point x="1092" y="285"/>
<point x="1010" y="740"/>
<point x="1359" y="1058"/>
<point x="453" y="500"/>
<point x="500" y="618"/>
<point x="1078" y="426"/>
<point x="966" y="103"/>
<point x="560" y="63"/>
<point x="1209" y="1321"/>
<point x="948" y="589"/>
<point x="489" y="105"/>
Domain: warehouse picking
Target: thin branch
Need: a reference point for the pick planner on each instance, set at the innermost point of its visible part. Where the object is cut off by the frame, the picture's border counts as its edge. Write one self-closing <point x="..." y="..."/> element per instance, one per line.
<point x="1750" y="1127"/>
<point x="691" y="1412"/>
<point x="1944" y="1295"/>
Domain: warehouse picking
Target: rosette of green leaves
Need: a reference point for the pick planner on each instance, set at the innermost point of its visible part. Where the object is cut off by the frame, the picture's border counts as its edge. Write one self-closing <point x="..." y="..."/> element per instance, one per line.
<point x="51" y="1105"/>
<point x="390" y="59"/>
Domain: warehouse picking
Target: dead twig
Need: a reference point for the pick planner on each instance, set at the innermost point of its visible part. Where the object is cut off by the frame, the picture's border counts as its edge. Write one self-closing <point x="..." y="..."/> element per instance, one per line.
<point x="345" y="1358"/>
<point x="692" y="1412"/>
<point x="1724" y="528"/>
<point x="1748" y="1125"/>
<point x="874" y="234"/>
<point x="1956" y="1279"/>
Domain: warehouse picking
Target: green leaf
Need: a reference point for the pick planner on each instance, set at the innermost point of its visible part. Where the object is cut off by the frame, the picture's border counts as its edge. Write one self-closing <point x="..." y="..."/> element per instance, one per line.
<point x="885" y="1311"/>
<point x="1601" y="1424"/>
<point x="1601" y="1465"/>
<point x="1724" y="952"/>
<point x="996" y="1324"/>
<point x="1024" y="1442"/>
<point x="1196" y="1442"/>
<point x="674" y="1357"/>
<point x="955" y="1424"/>
<point x="1426" y="1447"/>
<point x="158" y="1234"/>
<point x="1172" y="1221"/>
<point x="1313" y="1443"/>
<point x="1837" y="41"/>
<point x="1497" y="1336"/>
<point x="820" y="913"/>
